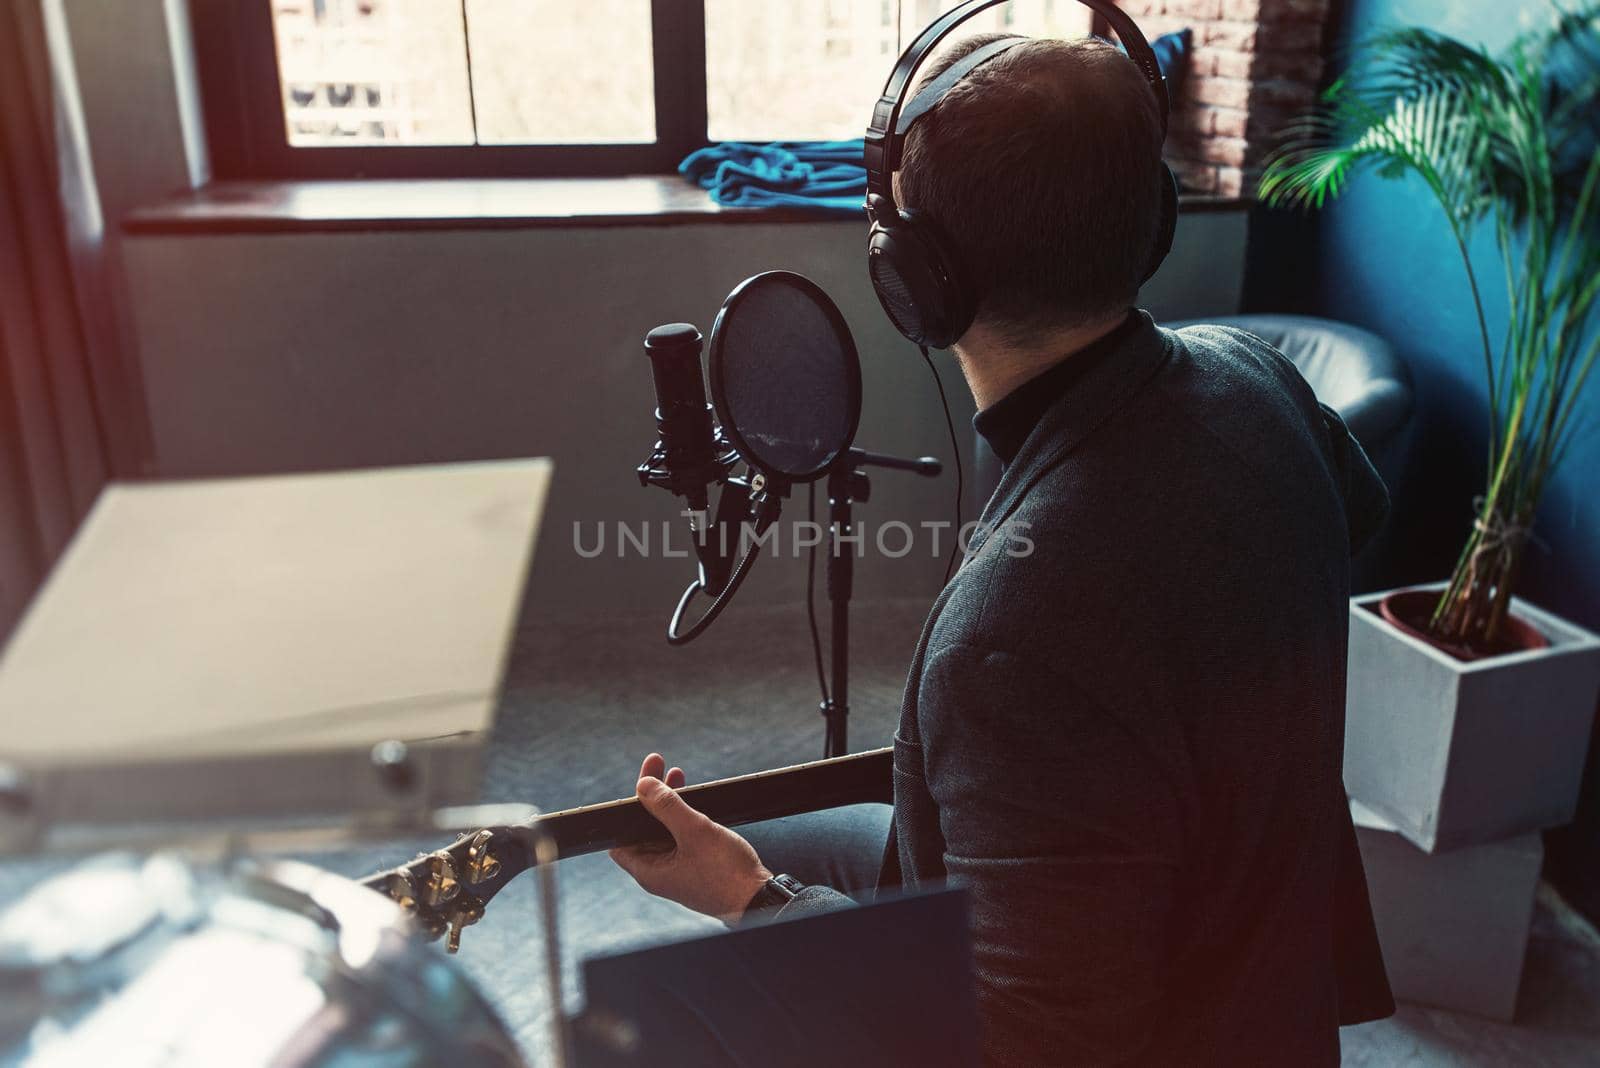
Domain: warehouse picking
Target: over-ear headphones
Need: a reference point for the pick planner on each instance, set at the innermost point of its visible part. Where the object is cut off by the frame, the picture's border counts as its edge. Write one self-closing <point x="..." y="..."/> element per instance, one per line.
<point x="913" y="269"/>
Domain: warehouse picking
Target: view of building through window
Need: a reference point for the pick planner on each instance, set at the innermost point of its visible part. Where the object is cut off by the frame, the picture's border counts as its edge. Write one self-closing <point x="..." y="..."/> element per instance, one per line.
<point x="778" y="70"/>
<point x="562" y="71"/>
<point x="459" y="72"/>
<point x="373" y="72"/>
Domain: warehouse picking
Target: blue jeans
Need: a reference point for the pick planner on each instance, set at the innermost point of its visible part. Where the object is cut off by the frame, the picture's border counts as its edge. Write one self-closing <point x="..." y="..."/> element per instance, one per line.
<point x="837" y="847"/>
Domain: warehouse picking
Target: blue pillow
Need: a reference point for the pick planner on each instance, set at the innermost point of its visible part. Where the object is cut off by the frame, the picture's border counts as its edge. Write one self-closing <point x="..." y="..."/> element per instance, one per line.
<point x="1172" y="56"/>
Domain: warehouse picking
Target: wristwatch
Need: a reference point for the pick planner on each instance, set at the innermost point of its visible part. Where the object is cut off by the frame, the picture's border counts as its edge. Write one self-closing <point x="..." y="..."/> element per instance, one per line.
<point x="775" y="893"/>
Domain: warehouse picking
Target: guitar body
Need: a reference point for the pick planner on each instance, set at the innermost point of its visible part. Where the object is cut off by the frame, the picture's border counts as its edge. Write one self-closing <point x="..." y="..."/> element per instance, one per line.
<point x="447" y="890"/>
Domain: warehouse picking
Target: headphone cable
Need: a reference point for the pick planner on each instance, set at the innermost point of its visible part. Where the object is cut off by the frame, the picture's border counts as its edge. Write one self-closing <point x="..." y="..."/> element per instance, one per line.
<point x="955" y="450"/>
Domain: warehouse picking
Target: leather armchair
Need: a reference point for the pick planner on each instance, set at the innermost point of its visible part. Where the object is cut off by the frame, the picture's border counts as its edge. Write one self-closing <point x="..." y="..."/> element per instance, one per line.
<point x="1353" y="371"/>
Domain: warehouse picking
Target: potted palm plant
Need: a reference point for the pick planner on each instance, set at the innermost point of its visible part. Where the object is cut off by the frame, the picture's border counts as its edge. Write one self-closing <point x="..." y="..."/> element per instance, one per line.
<point x="1469" y="710"/>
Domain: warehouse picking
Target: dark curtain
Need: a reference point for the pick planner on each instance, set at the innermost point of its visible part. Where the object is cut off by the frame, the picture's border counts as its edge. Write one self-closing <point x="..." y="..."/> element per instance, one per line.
<point x="54" y="322"/>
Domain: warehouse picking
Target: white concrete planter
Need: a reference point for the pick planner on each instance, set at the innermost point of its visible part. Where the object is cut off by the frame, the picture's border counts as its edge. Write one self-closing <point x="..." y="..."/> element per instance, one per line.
<point x="1456" y="753"/>
<point x="1453" y="926"/>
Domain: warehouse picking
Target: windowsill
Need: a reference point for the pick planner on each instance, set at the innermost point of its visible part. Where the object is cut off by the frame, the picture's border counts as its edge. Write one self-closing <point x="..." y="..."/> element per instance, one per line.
<point x="468" y="204"/>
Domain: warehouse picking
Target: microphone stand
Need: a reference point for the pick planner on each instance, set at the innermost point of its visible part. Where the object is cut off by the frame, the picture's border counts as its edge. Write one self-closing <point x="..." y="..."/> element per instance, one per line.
<point x="847" y="484"/>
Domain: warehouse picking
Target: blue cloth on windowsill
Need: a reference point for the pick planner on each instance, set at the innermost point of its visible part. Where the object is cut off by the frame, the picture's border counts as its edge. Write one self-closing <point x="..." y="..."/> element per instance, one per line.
<point x="824" y="175"/>
<point x="829" y="176"/>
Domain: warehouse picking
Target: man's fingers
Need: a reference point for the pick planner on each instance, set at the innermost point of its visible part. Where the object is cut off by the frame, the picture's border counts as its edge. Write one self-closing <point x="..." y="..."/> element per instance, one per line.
<point x="655" y="767"/>
<point x="629" y="860"/>
<point x="663" y="802"/>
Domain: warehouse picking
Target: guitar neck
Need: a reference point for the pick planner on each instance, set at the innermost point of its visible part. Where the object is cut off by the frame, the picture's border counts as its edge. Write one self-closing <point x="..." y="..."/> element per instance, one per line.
<point x="765" y="795"/>
<point x="448" y="889"/>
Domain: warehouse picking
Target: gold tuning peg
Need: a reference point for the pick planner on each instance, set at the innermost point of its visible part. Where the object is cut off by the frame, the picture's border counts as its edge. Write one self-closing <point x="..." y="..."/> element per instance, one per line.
<point x="441" y="885"/>
<point x="402" y="887"/>
<point x="481" y="864"/>
<point x="466" y="913"/>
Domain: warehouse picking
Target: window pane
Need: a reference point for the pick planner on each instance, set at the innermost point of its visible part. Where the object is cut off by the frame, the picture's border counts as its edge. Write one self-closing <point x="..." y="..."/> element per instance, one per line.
<point x="803" y="69"/>
<point x="796" y="69"/>
<point x="365" y="72"/>
<point x="562" y="71"/>
<point x="1026" y="18"/>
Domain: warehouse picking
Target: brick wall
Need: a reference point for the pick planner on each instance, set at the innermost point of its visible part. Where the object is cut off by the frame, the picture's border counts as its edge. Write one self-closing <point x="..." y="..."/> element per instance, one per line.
<point x="1254" y="65"/>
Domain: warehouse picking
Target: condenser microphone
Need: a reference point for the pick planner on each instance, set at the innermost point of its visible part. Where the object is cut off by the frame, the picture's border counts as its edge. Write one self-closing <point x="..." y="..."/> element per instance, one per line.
<point x="683" y="418"/>
<point x="691" y="453"/>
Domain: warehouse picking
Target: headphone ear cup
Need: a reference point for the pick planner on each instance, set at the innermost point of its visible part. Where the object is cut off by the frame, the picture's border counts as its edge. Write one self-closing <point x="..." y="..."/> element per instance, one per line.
<point x="1168" y="225"/>
<point x="916" y="281"/>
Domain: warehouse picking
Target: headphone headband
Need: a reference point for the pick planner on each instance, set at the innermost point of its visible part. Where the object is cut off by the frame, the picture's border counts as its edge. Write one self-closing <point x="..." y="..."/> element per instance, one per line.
<point x="885" y="136"/>
<point x="934" y="91"/>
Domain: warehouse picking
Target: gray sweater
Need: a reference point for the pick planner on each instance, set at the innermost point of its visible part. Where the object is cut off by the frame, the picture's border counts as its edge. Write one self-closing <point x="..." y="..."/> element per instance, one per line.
<point x="1124" y="722"/>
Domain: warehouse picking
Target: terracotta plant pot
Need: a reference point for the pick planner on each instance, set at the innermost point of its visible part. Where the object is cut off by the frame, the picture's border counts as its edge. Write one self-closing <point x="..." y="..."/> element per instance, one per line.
<point x="1410" y="610"/>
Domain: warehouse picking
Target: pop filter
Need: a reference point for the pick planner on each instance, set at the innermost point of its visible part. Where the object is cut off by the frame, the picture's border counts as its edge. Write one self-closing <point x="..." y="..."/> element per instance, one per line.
<point x="786" y="386"/>
<point x="785" y="377"/>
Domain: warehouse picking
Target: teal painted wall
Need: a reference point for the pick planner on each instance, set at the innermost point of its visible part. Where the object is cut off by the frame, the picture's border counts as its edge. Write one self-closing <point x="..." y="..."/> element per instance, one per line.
<point x="1382" y="258"/>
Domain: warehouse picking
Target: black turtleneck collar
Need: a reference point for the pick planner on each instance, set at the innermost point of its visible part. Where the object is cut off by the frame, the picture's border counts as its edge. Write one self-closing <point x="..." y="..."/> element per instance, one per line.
<point x="1006" y="423"/>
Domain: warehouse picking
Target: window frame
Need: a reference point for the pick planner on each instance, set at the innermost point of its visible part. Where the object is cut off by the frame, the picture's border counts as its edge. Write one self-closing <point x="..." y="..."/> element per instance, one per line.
<point x="241" y="100"/>
<point x="236" y="57"/>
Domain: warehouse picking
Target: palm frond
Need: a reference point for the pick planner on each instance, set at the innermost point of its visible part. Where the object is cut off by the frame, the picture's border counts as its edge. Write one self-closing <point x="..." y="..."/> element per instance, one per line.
<point x="1515" y="137"/>
<point x="1414" y="62"/>
<point x="1427" y="134"/>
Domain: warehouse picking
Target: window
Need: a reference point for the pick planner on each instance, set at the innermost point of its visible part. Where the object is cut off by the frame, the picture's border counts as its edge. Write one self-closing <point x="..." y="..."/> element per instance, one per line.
<point x="343" y="88"/>
<point x="363" y="72"/>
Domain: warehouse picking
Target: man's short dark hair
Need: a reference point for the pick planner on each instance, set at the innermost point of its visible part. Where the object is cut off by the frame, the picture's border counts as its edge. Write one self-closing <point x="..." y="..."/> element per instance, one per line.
<point x="1041" y="169"/>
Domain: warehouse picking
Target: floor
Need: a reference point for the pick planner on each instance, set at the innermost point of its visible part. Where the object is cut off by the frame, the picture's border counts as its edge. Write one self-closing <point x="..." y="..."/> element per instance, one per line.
<point x="586" y="702"/>
<point x="1558" y="1011"/>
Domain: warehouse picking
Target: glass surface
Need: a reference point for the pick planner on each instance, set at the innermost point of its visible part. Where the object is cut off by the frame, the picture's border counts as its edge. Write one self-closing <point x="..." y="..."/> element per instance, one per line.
<point x="459" y="72"/>
<point x="1026" y="18"/>
<point x="401" y="72"/>
<point x="796" y="69"/>
<point x="562" y="71"/>
<point x="811" y="69"/>
<point x="373" y="72"/>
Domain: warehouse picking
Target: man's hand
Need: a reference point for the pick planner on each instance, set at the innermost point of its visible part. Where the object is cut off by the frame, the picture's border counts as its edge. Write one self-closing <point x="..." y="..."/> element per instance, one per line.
<point x="708" y="868"/>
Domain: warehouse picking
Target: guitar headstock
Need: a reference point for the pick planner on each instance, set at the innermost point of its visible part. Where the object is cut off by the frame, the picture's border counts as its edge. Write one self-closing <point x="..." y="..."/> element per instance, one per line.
<point x="447" y="890"/>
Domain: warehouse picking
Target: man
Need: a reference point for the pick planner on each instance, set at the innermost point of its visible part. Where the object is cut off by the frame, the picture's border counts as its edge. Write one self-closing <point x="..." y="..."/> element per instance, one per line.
<point x="1127" y="743"/>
